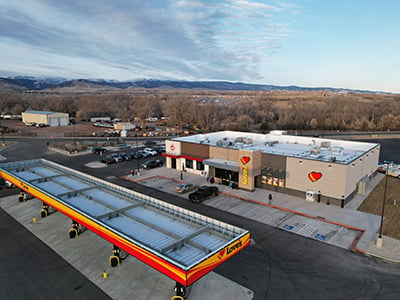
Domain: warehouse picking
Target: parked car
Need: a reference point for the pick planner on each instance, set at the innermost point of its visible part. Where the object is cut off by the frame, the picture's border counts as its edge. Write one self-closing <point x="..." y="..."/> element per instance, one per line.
<point x="126" y="156"/>
<point x="150" y="151"/>
<point x="186" y="187"/>
<point x="117" y="157"/>
<point x="204" y="192"/>
<point x="149" y="143"/>
<point x="99" y="150"/>
<point x="108" y="160"/>
<point x="143" y="153"/>
<point x="9" y="185"/>
<point x="136" y="155"/>
<point x="6" y="184"/>
<point x="150" y="164"/>
<point x="159" y="149"/>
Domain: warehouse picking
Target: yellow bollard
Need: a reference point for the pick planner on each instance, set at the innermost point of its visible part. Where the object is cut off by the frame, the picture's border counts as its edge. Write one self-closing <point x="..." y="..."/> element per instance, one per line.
<point x="34" y="219"/>
<point x="105" y="275"/>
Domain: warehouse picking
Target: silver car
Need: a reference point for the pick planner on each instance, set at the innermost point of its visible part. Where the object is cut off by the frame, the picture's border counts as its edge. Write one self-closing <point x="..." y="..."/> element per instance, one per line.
<point x="185" y="187"/>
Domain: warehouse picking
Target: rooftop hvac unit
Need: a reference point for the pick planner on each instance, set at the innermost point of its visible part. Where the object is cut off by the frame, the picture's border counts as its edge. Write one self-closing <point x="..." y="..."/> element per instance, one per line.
<point x="239" y="139"/>
<point x="337" y="150"/>
<point x="326" y="145"/>
<point x="315" y="151"/>
<point x="247" y="141"/>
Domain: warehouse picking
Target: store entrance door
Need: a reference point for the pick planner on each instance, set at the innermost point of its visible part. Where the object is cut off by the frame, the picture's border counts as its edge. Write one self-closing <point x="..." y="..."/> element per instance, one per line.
<point x="227" y="176"/>
<point x="173" y="163"/>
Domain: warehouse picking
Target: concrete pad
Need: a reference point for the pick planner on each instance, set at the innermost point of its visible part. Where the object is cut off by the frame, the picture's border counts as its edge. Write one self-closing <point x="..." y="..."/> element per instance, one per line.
<point x="95" y="164"/>
<point x="89" y="254"/>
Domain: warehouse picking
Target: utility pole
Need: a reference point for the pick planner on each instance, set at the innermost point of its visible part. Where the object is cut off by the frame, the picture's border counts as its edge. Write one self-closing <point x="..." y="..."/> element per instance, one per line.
<point x="379" y="240"/>
<point x="73" y="132"/>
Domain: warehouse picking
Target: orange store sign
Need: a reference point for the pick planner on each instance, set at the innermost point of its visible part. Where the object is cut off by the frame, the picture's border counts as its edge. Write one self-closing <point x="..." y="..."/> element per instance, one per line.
<point x="244" y="160"/>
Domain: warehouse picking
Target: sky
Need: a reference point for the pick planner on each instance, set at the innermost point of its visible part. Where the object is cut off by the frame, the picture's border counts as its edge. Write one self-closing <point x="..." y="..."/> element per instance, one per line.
<point x="352" y="44"/>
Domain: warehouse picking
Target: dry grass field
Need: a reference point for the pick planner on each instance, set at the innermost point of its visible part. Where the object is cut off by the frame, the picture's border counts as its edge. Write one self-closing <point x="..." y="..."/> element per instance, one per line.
<point x="373" y="204"/>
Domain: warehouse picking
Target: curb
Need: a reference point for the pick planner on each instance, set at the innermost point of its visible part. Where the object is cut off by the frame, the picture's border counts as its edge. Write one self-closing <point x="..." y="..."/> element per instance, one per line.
<point x="382" y="257"/>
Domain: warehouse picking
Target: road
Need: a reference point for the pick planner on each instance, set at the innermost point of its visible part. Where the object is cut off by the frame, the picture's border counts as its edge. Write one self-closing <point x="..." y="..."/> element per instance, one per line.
<point x="278" y="264"/>
<point x="31" y="270"/>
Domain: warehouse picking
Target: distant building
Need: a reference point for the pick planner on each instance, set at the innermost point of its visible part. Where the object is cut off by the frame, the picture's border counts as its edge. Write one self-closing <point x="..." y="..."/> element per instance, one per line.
<point x="316" y="169"/>
<point x="47" y="118"/>
<point x="124" y="126"/>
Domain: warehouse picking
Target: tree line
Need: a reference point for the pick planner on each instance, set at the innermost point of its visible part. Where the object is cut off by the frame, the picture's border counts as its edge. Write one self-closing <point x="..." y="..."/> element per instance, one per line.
<point x="225" y="110"/>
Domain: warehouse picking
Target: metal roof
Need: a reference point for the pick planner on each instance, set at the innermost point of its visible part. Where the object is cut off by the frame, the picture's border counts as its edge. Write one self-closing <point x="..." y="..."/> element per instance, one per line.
<point x="279" y="143"/>
<point x="178" y="236"/>
<point x="37" y="112"/>
<point x="224" y="164"/>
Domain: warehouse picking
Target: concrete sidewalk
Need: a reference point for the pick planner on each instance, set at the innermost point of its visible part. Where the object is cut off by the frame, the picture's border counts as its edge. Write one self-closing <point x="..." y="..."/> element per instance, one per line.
<point x="357" y="229"/>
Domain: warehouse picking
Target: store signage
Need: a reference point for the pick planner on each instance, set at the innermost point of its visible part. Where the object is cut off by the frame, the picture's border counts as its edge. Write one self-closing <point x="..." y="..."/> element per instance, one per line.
<point x="230" y="249"/>
<point x="172" y="147"/>
<point x="244" y="160"/>
<point x="314" y="176"/>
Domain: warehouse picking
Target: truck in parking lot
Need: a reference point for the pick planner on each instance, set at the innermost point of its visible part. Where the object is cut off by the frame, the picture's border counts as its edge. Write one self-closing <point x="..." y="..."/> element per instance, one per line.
<point x="204" y="192"/>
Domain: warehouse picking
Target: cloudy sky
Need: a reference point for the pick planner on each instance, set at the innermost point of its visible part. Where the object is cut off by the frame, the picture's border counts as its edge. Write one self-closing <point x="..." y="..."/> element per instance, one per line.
<point x="336" y="43"/>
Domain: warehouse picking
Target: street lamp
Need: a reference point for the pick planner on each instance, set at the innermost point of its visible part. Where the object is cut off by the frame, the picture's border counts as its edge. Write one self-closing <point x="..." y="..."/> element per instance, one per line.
<point x="137" y="154"/>
<point x="2" y="137"/>
<point x="379" y="239"/>
<point x="73" y="132"/>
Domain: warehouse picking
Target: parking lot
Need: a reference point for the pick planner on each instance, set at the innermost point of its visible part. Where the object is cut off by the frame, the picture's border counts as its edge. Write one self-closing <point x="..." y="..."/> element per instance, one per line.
<point x="331" y="225"/>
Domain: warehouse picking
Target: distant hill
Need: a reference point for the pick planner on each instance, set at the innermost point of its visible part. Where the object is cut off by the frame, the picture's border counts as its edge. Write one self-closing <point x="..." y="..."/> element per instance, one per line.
<point x="30" y="83"/>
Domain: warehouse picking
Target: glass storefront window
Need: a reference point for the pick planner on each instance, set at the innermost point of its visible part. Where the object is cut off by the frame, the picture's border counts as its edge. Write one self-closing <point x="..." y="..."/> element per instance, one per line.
<point x="189" y="164"/>
<point x="199" y="165"/>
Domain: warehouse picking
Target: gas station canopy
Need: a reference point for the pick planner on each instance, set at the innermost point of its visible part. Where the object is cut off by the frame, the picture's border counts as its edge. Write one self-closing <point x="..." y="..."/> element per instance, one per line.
<point x="179" y="243"/>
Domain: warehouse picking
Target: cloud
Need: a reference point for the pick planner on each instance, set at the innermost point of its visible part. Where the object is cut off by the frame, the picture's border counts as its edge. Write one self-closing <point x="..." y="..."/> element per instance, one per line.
<point x="126" y="39"/>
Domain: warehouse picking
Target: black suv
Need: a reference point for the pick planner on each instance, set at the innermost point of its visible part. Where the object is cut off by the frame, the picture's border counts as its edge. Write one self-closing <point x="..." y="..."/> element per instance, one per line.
<point x="108" y="160"/>
<point x="150" y="164"/>
<point x="99" y="150"/>
<point x="203" y="193"/>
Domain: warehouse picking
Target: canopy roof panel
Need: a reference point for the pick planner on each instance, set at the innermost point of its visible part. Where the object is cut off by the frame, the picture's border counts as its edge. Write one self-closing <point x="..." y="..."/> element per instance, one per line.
<point x="179" y="243"/>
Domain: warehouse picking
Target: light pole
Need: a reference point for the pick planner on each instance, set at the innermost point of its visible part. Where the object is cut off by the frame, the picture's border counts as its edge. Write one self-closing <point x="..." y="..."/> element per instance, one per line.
<point x="379" y="239"/>
<point x="137" y="153"/>
<point x="73" y="132"/>
<point x="2" y="137"/>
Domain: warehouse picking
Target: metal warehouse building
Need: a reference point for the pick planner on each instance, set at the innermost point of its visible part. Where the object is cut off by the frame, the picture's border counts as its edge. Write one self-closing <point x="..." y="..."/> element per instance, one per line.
<point x="45" y="117"/>
<point x="318" y="169"/>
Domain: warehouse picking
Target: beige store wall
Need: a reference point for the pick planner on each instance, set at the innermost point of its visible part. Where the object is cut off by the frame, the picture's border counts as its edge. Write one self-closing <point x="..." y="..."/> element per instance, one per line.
<point x="224" y="153"/>
<point x="332" y="181"/>
<point x="362" y="167"/>
<point x="249" y="167"/>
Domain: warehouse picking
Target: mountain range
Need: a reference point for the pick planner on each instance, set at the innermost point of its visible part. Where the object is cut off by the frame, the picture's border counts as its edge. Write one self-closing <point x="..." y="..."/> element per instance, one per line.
<point x="21" y="83"/>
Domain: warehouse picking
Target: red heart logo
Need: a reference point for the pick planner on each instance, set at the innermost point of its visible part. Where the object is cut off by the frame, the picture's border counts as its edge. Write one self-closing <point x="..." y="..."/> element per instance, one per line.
<point x="245" y="159"/>
<point x="221" y="253"/>
<point x="314" y="176"/>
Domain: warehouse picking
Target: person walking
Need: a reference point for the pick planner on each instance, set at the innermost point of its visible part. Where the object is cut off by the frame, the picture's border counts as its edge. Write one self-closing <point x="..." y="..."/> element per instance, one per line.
<point x="270" y="198"/>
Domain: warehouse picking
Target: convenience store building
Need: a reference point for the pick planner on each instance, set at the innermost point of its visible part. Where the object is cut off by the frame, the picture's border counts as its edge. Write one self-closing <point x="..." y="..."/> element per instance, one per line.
<point x="317" y="169"/>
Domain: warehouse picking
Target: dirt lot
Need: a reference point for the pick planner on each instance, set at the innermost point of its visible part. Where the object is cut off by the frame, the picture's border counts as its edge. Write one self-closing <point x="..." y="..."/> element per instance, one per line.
<point x="81" y="129"/>
<point x="373" y="204"/>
